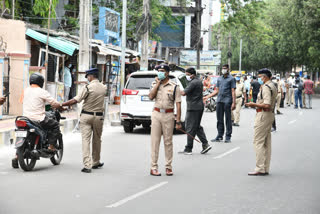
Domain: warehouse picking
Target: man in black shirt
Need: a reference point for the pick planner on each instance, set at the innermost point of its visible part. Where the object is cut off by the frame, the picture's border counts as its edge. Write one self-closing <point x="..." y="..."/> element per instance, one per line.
<point x="255" y="86"/>
<point x="194" y="114"/>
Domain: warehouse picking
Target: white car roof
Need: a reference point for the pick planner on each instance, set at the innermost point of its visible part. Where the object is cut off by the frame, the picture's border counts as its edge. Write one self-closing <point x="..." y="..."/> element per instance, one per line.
<point x="172" y="73"/>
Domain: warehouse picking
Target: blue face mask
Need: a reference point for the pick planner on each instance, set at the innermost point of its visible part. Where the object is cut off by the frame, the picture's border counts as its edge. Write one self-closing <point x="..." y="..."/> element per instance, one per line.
<point x="161" y="75"/>
<point x="238" y="78"/>
<point x="260" y="81"/>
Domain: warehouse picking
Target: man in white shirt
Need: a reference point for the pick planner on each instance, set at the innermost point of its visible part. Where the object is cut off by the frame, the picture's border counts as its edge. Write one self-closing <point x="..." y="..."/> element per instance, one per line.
<point x="34" y="102"/>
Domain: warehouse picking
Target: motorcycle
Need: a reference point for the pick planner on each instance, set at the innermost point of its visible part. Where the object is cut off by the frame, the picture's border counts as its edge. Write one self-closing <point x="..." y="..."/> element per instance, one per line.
<point x="32" y="142"/>
<point x="210" y="104"/>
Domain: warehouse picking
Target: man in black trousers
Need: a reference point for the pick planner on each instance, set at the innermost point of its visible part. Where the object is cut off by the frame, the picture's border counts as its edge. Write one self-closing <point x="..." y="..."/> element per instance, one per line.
<point x="194" y="114"/>
<point x="226" y="101"/>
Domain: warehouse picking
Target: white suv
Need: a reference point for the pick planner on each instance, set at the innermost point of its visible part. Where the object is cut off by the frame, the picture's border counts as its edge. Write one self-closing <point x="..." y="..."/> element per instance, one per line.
<point x="136" y="107"/>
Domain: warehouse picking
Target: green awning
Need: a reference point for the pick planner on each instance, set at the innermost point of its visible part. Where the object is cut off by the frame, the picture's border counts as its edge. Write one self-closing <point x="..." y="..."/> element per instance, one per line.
<point x="58" y="43"/>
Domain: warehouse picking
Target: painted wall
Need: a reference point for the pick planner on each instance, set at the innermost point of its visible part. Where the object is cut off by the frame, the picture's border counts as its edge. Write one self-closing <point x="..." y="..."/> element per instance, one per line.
<point x="13" y="33"/>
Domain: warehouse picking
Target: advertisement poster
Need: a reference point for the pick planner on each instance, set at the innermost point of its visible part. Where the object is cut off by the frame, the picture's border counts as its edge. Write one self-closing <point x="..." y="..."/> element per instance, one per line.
<point x="60" y="92"/>
<point x="207" y="58"/>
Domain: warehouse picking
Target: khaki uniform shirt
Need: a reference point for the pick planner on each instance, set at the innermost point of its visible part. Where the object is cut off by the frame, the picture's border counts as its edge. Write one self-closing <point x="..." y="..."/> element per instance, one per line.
<point x="265" y="96"/>
<point x="93" y="95"/>
<point x="164" y="98"/>
<point x="240" y="89"/>
<point x="279" y="86"/>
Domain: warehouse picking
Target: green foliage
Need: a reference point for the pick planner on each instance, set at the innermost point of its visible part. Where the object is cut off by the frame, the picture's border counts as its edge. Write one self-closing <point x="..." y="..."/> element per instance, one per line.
<point x="278" y="34"/>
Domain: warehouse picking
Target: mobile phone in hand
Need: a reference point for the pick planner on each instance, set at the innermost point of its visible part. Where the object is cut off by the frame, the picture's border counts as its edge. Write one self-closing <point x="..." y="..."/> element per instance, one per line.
<point x="7" y="94"/>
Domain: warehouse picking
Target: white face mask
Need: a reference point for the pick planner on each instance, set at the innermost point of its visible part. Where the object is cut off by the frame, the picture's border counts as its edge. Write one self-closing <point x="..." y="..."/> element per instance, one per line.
<point x="189" y="78"/>
<point x="224" y="71"/>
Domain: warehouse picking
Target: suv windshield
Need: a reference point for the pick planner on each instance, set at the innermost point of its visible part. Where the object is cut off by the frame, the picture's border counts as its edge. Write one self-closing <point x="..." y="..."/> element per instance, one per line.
<point x="137" y="82"/>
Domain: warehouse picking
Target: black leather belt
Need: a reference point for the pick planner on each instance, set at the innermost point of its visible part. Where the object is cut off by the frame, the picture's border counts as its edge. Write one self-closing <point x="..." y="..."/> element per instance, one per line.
<point x="92" y="113"/>
<point x="239" y="96"/>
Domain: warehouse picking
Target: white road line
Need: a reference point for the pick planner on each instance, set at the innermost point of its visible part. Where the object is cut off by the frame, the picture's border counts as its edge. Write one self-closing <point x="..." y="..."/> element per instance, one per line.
<point x="4" y="173"/>
<point x="300" y="113"/>
<point x="123" y="201"/>
<point x="226" y="153"/>
<point x="292" y="121"/>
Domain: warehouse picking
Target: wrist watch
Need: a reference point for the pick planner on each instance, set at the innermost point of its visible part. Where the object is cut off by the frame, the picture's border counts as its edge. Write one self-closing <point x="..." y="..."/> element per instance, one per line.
<point x="178" y="122"/>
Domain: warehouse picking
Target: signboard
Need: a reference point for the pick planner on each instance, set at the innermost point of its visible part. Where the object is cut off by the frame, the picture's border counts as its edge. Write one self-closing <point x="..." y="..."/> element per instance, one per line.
<point x="109" y="26"/>
<point x="112" y="21"/>
<point x="207" y="58"/>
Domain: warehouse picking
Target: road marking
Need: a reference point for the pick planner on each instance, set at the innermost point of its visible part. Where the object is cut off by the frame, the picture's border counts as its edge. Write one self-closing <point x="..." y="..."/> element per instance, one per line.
<point x="300" y="113"/>
<point x="4" y="173"/>
<point x="226" y="153"/>
<point x="123" y="201"/>
<point x="292" y="121"/>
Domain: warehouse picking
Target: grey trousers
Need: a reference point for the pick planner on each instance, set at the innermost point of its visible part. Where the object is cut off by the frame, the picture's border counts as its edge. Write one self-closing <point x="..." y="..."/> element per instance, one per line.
<point x="193" y="127"/>
<point x="309" y="100"/>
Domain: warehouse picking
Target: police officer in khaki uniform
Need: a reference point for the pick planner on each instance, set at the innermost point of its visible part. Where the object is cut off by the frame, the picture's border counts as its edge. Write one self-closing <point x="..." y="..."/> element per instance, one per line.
<point x="165" y="93"/>
<point x="240" y="91"/>
<point x="263" y="122"/>
<point x="91" y="119"/>
<point x="280" y="93"/>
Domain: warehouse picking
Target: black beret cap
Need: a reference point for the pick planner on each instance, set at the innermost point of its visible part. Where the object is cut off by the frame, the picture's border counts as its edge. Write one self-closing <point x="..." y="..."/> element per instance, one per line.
<point x="92" y="71"/>
<point x="163" y="66"/>
<point x="265" y="71"/>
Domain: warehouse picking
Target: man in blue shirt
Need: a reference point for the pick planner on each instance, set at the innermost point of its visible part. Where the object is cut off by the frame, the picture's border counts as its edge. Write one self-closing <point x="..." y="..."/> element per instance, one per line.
<point x="67" y="80"/>
<point x="226" y="100"/>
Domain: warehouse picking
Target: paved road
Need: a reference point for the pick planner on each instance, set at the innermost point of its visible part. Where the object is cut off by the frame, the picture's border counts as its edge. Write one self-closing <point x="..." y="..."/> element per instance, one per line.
<point x="212" y="183"/>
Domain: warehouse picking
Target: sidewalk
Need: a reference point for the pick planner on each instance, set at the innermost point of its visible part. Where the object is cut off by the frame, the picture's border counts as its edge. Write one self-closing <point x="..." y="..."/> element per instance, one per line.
<point x="7" y="126"/>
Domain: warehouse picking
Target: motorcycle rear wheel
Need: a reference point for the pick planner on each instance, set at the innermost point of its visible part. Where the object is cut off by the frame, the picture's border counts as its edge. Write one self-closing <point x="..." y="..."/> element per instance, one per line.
<point x="26" y="162"/>
<point x="56" y="159"/>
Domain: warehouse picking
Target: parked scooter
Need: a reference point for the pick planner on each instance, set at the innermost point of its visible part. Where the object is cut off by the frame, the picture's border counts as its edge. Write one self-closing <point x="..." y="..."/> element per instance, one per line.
<point x="210" y="104"/>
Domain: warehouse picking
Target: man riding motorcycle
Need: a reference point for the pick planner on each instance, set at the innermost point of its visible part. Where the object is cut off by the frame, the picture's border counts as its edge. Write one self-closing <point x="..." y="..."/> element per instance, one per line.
<point x="34" y="102"/>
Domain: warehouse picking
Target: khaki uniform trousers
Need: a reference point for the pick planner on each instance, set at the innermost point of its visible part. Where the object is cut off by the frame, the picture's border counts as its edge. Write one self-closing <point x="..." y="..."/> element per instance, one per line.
<point x="262" y="140"/>
<point x="91" y="127"/>
<point x="290" y="96"/>
<point x="161" y="124"/>
<point x="236" y="113"/>
<point x="278" y="101"/>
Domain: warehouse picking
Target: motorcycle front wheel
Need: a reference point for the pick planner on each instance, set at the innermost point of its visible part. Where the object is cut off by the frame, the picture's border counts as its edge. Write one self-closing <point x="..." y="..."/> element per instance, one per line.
<point x="26" y="162"/>
<point x="56" y="159"/>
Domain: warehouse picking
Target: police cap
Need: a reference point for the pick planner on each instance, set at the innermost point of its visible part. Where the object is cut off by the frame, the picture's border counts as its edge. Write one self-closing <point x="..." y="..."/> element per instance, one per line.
<point x="265" y="71"/>
<point x="92" y="71"/>
<point x="163" y="66"/>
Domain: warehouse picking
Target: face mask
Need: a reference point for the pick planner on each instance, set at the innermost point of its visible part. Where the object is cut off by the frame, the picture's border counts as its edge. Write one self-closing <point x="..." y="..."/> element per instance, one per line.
<point x="69" y="66"/>
<point x="189" y="78"/>
<point x="278" y="78"/>
<point x="260" y="81"/>
<point x="224" y="71"/>
<point x="237" y="78"/>
<point x="161" y="75"/>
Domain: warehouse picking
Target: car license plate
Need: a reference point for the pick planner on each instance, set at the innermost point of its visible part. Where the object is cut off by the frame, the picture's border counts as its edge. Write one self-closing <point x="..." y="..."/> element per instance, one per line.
<point x="145" y="98"/>
<point x="21" y="133"/>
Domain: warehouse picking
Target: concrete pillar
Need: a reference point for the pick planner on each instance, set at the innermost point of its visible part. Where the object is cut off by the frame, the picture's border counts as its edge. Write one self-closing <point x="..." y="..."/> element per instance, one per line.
<point x="187" y="31"/>
<point x="205" y="22"/>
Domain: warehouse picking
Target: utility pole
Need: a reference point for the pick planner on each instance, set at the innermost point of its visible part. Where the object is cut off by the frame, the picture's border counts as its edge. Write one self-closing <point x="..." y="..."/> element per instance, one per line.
<point x="47" y="46"/>
<point x="229" y="52"/>
<point x="13" y="1"/>
<point x="123" y="44"/>
<point x="145" y="37"/>
<point x="84" y="54"/>
<point x="240" y="56"/>
<point x="198" y="15"/>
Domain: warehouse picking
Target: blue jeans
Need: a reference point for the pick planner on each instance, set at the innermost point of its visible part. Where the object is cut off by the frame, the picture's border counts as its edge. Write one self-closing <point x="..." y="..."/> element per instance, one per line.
<point x="297" y="96"/>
